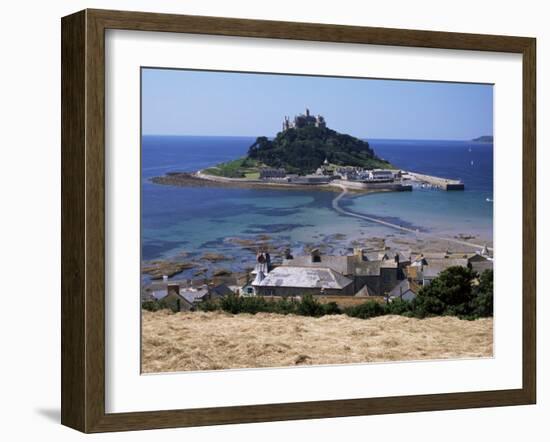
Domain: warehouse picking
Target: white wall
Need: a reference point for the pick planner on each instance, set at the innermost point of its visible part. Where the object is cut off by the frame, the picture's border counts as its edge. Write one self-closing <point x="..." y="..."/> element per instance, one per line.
<point x="30" y="216"/>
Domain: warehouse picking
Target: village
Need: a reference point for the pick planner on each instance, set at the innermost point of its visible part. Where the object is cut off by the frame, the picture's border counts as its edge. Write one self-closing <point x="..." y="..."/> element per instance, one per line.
<point x="382" y="275"/>
<point x="356" y="178"/>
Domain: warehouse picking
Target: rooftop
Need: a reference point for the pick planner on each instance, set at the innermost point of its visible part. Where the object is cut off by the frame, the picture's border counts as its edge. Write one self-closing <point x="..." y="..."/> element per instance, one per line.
<point x="341" y="264"/>
<point x="436" y="266"/>
<point x="305" y="277"/>
<point x="403" y="287"/>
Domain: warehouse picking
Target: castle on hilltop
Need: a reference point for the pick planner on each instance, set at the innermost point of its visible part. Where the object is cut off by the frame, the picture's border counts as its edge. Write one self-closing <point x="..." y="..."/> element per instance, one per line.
<point x="304" y="120"/>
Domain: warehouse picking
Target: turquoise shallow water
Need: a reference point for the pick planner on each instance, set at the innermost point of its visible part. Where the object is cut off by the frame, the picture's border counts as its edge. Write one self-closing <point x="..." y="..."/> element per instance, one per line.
<point x="199" y="220"/>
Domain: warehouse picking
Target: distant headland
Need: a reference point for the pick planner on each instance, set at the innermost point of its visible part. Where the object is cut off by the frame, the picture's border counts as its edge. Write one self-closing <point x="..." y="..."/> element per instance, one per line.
<point x="484" y="139"/>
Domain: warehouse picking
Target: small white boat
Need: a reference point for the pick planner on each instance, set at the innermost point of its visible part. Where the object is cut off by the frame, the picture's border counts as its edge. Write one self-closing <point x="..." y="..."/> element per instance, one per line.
<point x="489" y="200"/>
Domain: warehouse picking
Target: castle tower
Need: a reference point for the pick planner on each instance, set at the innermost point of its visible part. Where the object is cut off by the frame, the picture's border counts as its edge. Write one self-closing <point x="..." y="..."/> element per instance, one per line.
<point x="320" y="121"/>
<point x="307" y="112"/>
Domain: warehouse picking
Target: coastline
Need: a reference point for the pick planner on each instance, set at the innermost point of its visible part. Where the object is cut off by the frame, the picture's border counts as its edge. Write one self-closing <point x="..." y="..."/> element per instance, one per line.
<point x="201" y="179"/>
<point x="303" y="219"/>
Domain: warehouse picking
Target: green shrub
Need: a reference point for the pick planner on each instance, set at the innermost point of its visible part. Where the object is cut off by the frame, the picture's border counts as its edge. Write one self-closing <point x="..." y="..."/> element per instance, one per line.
<point x="283" y="306"/>
<point x="398" y="307"/>
<point x="450" y="293"/>
<point x="309" y="306"/>
<point x="369" y="309"/>
<point x="454" y="293"/>
<point x="482" y="304"/>
<point x="150" y="305"/>
<point x="235" y="304"/>
<point x="168" y="305"/>
<point x="208" y="306"/>
<point x="331" y="308"/>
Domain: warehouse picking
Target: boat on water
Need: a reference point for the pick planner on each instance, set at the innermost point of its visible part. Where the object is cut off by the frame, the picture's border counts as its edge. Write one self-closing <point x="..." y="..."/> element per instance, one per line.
<point x="489" y="200"/>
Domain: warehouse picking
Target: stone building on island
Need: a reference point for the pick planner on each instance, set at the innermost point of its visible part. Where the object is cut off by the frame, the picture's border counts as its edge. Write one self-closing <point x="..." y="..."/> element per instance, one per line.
<point x="303" y="120"/>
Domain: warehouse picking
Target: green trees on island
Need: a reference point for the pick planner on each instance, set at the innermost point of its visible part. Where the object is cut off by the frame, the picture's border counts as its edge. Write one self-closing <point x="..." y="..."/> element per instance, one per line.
<point x="303" y="150"/>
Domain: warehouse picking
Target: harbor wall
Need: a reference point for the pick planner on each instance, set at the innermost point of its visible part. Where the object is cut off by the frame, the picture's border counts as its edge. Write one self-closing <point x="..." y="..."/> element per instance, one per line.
<point x="442" y="183"/>
<point x="355" y="185"/>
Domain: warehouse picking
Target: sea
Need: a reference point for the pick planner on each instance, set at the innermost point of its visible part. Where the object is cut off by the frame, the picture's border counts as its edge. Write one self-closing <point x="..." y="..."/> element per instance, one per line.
<point x="184" y="223"/>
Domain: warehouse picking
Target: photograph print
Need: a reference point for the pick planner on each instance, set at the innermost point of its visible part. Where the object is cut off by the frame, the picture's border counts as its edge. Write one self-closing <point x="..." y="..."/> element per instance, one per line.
<point x="302" y="220"/>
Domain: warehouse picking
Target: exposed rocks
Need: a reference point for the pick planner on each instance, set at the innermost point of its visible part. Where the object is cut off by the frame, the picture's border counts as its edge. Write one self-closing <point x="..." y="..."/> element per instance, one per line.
<point x="464" y="237"/>
<point x="201" y="272"/>
<point x="243" y="242"/>
<point x="215" y="257"/>
<point x="252" y="245"/>
<point x="157" y="269"/>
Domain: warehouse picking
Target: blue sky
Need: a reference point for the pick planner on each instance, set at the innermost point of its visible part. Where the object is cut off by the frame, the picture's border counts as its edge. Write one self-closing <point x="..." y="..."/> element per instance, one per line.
<point x="180" y="102"/>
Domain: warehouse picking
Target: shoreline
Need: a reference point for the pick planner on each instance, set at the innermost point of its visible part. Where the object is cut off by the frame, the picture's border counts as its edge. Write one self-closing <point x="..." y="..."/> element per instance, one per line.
<point x="401" y="236"/>
<point x="188" y="179"/>
<point x="201" y="179"/>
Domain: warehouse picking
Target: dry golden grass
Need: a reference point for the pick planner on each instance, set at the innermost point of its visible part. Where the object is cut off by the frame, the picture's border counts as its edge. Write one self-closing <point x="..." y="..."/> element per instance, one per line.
<point x="217" y="340"/>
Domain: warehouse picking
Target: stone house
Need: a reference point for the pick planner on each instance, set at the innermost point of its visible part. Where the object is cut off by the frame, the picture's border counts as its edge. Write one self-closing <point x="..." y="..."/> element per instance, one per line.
<point x="380" y="270"/>
<point x="299" y="281"/>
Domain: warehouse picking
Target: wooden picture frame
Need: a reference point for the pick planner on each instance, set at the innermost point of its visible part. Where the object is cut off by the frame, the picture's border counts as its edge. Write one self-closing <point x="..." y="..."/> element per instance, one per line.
<point x="83" y="220"/>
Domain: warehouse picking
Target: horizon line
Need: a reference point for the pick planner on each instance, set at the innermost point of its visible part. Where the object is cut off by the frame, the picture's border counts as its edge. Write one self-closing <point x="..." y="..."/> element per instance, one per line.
<point x="361" y="138"/>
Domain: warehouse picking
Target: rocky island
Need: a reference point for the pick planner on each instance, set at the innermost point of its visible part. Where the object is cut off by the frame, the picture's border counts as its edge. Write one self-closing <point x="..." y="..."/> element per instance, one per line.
<point x="307" y="153"/>
<point x="302" y="147"/>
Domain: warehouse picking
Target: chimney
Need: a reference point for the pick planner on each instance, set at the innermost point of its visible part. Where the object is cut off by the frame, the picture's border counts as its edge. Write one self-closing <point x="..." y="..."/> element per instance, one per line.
<point x="315" y="255"/>
<point x="260" y="276"/>
<point x="173" y="288"/>
<point x="359" y="252"/>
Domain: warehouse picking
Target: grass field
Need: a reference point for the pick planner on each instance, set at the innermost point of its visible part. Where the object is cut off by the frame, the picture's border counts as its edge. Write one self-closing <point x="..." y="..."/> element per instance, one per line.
<point x="217" y="340"/>
<point x="239" y="168"/>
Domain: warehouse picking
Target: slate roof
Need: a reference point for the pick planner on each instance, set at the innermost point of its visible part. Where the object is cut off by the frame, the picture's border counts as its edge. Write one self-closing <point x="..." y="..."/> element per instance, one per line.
<point x="436" y="266"/>
<point x="220" y="290"/>
<point x="481" y="266"/>
<point x="193" y="296"/>
<point x="402" y="288"/>
<point x="341" y="264"/>
<point x="368" y="268"/>
<point x="305" y="277"/>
